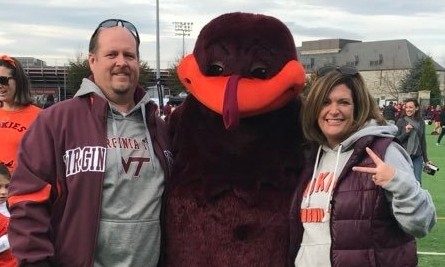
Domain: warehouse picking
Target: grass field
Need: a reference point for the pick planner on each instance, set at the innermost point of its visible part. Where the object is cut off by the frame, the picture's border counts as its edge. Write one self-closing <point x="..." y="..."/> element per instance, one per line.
<point x="434" y="242"/>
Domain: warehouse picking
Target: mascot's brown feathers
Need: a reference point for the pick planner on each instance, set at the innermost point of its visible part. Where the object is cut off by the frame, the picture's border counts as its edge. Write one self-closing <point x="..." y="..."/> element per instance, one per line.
<point x="236" y="142"/>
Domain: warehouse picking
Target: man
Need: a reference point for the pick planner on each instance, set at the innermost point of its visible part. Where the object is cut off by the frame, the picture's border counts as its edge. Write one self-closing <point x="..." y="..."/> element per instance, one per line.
<point x="88" y="187"/>
<point x="436" y="119"/>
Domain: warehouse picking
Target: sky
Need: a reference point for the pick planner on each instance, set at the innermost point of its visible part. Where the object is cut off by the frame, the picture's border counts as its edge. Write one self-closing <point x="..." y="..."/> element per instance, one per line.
<point x="58" y="31"/>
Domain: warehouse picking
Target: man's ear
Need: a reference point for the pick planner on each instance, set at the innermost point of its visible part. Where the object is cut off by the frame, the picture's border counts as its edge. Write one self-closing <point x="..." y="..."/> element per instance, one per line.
<point x="91" y="60"/>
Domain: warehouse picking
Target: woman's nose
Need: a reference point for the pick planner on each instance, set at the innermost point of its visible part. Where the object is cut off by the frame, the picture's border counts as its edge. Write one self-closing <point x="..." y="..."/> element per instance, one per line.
<point x="333" y="108"/>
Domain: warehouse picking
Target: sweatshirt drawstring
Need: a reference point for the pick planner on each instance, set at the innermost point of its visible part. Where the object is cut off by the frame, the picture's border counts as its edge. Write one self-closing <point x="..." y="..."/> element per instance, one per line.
<point x="120" y="170"/>
<point x="307" y="201"/>
<point x="147" y="136"/>
<point x="331" y="186"/>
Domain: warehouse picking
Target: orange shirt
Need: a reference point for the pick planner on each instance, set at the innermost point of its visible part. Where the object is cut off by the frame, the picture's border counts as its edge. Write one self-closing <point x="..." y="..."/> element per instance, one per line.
<point x="13" y="125"/>
<point x="6" y="257"/>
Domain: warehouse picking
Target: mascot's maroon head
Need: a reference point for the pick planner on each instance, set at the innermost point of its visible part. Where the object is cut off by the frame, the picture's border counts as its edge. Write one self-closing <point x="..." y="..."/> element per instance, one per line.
<point x="243" y="65"/>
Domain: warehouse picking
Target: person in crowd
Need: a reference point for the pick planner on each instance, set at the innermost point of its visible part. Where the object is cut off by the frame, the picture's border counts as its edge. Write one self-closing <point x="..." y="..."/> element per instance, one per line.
<point x="442" y="125"/>
<point x="411" y="134"/>
<point x="49" y="101"/>
<point x="16" y="109"/>
<point x="6" y="257"/>
<point x="358" y="203"/>
<point x="428" y="114"/>
<point x="389" y="113"/>
<point x="436" y="120"/>
<point x="400" y="111"/>
<point x="88" y="190"/>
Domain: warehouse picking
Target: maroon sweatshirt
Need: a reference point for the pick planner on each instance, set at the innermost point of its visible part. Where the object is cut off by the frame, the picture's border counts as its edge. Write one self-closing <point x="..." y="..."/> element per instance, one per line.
<point x="55" y="205"/>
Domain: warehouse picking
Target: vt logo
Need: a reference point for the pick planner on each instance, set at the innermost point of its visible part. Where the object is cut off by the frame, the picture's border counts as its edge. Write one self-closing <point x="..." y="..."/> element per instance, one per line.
<point x="139" y="161"/>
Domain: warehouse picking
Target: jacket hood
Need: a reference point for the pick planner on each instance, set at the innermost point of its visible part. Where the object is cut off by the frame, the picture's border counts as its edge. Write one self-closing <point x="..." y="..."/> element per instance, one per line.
<point x="369" y="128"/>
<point x="88" y="86"/>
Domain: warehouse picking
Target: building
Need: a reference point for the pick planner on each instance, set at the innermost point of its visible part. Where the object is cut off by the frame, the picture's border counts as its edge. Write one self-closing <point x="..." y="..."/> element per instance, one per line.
<point x="45" y="80"/>
<point x="381" y="63"/>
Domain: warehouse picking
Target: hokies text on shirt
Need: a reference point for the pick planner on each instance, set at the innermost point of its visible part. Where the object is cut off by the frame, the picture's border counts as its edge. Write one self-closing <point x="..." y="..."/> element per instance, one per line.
<point x="12" y="125"/>
<point x="315" y="195"/>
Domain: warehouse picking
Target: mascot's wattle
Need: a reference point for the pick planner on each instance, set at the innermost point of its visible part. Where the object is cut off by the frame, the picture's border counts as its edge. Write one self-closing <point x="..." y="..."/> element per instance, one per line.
<point x="236" y="142"/>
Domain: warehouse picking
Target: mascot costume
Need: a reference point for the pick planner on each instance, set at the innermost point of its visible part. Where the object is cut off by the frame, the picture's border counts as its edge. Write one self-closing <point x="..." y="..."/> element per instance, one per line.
<point x="236" y="143"/>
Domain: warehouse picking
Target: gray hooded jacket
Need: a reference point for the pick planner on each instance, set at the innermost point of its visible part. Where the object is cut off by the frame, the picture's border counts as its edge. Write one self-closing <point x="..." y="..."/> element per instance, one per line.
<point x="412" y="206"/>
<point x="129" y="229"/>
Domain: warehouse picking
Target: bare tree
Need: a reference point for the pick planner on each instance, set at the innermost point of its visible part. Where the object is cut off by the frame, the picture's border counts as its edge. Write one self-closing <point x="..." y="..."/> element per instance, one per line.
<point x="390" y="82"/>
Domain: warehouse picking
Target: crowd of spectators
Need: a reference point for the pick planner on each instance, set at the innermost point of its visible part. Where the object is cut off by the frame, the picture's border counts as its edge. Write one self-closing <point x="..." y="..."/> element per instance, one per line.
<point x="392" y="111"/>
<point x="431" y="114"/>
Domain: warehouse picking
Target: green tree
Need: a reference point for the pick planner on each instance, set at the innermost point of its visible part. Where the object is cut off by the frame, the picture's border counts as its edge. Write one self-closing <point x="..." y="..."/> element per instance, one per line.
<point x="79" y="69"/>
<point x="410" y="83"/>
<point x="146" y="75"/>
<point x="76" y="71"/>
<point x="429" y="81"/>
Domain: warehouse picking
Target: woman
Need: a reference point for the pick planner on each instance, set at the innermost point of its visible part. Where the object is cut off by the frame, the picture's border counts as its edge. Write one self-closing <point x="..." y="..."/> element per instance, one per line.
<point x="352" y="208"/>
<point x="411" y="134"/>
<point x="16" y="111"/>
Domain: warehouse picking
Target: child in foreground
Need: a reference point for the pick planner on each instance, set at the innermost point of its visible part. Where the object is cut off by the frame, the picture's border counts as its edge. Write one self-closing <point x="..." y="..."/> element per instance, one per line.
<point x="6" y="258"/>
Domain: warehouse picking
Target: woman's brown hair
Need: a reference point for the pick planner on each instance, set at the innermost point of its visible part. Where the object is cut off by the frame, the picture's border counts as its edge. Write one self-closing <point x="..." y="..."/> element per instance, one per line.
<point x="22" y="95"/>
<point x="365" y="107"/>
<point x="4" y="171"/>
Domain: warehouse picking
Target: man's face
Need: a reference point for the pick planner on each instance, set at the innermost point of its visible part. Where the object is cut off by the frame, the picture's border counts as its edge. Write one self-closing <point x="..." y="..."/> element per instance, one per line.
<point x="115" y="64"/>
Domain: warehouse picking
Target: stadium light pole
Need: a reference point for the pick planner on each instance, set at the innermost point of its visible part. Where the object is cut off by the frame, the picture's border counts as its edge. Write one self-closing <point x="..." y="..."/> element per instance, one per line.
<point x="64" y="81"/>
<point x="158" y="62"/>
<point x="183" y="29"/>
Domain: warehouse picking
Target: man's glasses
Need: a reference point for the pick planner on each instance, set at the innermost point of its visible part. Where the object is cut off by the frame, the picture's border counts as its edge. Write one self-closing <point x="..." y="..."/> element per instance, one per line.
<point x="110" y="23"/>
<point x="345" y="70"/>
<point x="4" y="80"/>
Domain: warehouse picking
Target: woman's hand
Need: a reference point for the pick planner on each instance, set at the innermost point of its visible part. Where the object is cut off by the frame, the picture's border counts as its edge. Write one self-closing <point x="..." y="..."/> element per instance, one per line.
<point x="382" y="174"/>
<point x="408" y="128"/>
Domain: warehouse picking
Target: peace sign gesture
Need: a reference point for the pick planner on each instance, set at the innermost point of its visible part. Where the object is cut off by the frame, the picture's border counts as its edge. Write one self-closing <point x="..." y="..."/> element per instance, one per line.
<point x="382" y="174"/>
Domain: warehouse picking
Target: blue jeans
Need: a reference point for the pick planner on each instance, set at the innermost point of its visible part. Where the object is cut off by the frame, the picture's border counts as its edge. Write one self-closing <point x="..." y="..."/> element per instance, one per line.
<point x="418" y="166"/>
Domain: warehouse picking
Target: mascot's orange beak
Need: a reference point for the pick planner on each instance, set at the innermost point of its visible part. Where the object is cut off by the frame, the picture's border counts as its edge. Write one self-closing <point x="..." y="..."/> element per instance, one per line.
<point x="234" y="96"/>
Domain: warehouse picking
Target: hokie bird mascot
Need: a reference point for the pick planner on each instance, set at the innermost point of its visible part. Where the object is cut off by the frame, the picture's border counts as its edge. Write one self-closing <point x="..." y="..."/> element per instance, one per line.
<point x="236" y="142"/>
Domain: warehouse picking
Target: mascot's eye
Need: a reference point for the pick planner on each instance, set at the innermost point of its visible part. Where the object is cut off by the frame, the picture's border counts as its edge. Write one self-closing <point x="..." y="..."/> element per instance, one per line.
<point x="259" y="72"/>
<point x="215" y="69"/>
